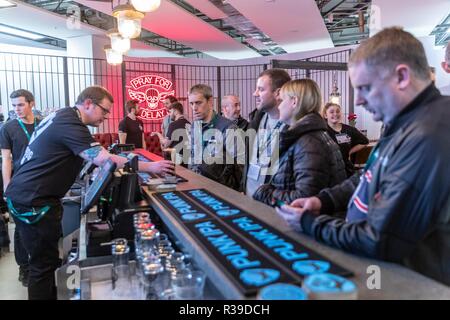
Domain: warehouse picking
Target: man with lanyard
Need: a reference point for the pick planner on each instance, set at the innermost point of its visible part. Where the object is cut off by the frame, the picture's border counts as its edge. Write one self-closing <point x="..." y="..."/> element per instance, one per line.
<point x="47" y="170"/>
<point x="131" y="129"/>
<point x="208" y="132"/>
<point x="14" y="138"/>
<point x="262" y="161"/>
<point x="399" y="209"/>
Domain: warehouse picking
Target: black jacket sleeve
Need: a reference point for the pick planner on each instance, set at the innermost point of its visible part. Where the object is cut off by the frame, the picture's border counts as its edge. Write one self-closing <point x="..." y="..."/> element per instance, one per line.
<point x="402" y="211"/>
<point x="336" y="198"/>
<point x="311" y="171"/>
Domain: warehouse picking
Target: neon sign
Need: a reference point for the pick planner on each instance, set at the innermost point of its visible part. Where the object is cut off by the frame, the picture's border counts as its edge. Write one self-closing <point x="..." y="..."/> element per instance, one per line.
<point x="150" y="91"/>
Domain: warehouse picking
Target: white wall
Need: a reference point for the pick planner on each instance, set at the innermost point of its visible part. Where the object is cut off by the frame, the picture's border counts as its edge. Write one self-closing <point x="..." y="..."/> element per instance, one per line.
<point x="435" y="56"/>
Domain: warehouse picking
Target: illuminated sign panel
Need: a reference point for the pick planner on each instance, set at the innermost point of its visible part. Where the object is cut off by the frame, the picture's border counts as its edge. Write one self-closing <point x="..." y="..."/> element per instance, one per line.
<point x="251" y="252"/>
<point x="150" y="91"/>
<point x="281" y="247"/>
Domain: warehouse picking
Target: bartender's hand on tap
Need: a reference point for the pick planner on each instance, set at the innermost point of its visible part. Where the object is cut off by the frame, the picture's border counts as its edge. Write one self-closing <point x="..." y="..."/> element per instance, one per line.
<point x="159" y="167"/>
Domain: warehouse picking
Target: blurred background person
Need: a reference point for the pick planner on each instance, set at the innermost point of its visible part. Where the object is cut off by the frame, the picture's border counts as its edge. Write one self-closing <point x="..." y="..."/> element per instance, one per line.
<point x="131" y="129"/>
<point x="445" y="90"/>
<point x="231" y="109"/>
<point x="14" y="138"/>
<point x="349" y="139"/>
<point x="168" y="101"/>
<point x="178" y="122"/>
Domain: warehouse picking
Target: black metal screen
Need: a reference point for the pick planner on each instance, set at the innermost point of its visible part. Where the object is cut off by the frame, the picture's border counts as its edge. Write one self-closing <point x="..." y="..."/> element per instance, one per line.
<point x="56" y="81"/>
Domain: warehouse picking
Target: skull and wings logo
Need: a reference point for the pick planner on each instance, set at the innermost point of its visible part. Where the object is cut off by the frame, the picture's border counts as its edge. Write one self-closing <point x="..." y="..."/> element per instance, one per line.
<point x="150" y="90"/>
<point x="151" y="96"/>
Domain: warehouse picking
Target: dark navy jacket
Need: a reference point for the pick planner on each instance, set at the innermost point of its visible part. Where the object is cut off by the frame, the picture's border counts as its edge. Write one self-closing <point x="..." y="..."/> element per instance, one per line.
<point x="403" y="214"/>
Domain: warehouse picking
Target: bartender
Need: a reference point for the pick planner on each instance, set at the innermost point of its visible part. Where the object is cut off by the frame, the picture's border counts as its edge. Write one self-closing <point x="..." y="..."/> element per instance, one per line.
<point x="47" y="170"/>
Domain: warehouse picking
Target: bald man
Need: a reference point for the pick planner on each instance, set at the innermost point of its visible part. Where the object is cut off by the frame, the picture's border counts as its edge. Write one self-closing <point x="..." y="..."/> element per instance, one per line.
<point x="231" y="109"/>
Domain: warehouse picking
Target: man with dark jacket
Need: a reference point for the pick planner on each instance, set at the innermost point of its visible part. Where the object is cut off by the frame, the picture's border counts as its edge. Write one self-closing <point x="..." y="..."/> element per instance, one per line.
<point x="213" y="154"/>
<point x="399" y="210"/>
<point x="267" y="127"/>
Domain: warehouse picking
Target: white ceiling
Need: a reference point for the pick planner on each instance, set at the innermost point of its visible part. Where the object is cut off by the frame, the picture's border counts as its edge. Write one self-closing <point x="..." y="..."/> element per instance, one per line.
<point x="16" y="41"/>
<point x="175" y="23"/>
<point x="416" y="16"/>
<point x="207" y="8"/>
<point x="294" y="25"/>
<point x="30" y="18"/>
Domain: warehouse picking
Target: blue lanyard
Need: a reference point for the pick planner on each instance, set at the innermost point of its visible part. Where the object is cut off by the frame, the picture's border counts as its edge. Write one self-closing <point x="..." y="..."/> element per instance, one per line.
<point x="264" y="144"/>
<point x="29" y="217"/>
<point x="372" y="157"/>
<point x="22" y="125"/>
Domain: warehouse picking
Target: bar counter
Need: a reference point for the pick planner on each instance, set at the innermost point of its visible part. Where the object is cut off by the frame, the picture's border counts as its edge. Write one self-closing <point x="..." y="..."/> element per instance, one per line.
<point x="397" y="282"/>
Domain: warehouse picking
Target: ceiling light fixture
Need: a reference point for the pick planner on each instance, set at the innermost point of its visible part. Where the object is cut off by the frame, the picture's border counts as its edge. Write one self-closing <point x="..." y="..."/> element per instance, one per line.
<point x="335" y="96"/>
<point x="146" y="5"/>
<point x="113" y="57"/>
<point x="128" y="21"/>
<point x="119" y="43"/>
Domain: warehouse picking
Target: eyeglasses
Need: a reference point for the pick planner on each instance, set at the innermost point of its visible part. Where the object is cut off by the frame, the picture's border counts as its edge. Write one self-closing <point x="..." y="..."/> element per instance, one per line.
<point x="104" y="110"/>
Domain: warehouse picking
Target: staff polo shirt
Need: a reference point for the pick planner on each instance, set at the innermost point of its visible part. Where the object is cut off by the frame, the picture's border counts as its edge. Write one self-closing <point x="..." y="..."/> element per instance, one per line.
<point x="51" y="163"/>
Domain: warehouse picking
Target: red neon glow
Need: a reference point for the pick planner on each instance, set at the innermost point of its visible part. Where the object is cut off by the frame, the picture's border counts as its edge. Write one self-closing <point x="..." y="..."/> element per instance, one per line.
<point x="150" y="91"/>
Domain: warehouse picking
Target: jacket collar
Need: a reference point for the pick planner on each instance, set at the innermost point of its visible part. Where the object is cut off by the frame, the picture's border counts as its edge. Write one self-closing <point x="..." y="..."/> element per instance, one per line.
<point x="311" y="122"/>
<point x="407" y="114"/>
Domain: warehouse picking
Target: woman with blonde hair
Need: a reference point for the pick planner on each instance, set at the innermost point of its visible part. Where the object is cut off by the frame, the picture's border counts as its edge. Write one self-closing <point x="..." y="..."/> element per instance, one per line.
<point x="309" y="159"/>
<point x="349" y="139"/>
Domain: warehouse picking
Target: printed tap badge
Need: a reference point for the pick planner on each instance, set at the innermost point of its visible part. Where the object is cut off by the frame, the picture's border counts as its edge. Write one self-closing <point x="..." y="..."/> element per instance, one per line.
<point x="259" y="276"/>
<point x="327" y="282"/>
<point x="308" y="267"/>
<point x="282" y="291"/>
<point x="150" y="91"/>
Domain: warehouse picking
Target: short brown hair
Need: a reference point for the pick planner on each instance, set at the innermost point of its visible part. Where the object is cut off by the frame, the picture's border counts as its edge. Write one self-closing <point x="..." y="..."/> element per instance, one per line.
<point x="278" y="77"/>
<point x="308" y="94"/>
<point x="95" y="93"/>
<point x="22" y="93"/>
<point x="172" y="99"/>
<point x="203" y="89"/>
<point x="177" y="106"/>
<point x="130" y="105"/>
<point x="389" y="48"/>
<point x="327" y="106"/>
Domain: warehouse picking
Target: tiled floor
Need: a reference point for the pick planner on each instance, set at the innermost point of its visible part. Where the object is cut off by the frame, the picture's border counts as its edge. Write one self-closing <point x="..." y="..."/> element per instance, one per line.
<point x="10" y="287"/>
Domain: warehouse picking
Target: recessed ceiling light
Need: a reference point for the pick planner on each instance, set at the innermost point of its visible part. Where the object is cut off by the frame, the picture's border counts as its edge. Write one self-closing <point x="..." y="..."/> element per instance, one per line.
<point x="6" y="4"/>
<point x="19" y="32"/>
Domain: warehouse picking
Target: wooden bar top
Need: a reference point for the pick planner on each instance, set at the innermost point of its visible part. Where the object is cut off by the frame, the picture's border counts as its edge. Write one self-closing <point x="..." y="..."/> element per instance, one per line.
<point x="397" y="282"/>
